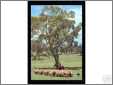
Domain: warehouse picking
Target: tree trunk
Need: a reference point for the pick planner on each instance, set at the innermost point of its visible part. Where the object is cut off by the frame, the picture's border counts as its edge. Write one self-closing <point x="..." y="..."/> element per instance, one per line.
<point x="55" y="54"/>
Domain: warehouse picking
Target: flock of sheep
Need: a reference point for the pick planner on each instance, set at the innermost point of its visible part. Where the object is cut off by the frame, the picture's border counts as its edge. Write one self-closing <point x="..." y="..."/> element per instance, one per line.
<point x="55" y="73"/>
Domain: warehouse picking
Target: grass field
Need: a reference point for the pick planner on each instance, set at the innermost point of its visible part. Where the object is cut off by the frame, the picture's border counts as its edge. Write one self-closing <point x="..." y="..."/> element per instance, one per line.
<point x="71" y="61"/>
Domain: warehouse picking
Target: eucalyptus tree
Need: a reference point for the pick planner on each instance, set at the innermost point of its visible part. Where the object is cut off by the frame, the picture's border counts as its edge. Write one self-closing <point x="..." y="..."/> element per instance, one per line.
<point x="54" y="23"/>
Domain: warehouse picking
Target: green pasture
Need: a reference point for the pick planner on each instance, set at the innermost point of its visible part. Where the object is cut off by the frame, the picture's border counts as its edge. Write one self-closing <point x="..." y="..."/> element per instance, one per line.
<point x="70" y="61"/>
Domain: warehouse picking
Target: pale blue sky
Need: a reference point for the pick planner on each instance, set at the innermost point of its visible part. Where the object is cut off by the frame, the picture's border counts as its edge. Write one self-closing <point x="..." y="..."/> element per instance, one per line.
<point x="36" y="10"/>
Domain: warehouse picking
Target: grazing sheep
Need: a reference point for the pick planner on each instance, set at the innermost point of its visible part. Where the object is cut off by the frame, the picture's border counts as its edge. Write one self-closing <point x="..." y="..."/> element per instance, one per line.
<point x="50" y="73"/>
<point x="60" y="73"/>
<point x="63" y="73"/>
<point x="67" y="73"/>
<point x="35" y="71"/>
<point x="38" y="71"/>
<point x="41" y="72"/>
<point x="46" y="72"/>
<point x="57" y="73"/>
<point x="54" y="73"/>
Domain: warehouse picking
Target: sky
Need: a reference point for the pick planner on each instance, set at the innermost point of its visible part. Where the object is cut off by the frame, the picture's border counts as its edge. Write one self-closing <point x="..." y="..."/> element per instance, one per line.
<point x="36" y="11"/>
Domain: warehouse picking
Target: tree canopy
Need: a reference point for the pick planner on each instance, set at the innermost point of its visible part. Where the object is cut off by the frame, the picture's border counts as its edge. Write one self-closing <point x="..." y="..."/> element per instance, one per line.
<point x="54" y="25"/>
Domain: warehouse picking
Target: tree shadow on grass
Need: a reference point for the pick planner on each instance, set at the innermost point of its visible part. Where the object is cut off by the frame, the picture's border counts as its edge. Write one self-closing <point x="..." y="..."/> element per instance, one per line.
<point x="68" y="68"/>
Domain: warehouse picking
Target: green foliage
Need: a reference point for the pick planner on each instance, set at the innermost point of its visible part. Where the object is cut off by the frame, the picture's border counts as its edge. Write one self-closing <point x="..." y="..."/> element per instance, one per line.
<point x="58" y="16"/>
<point x="57" y="20"/>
